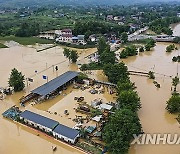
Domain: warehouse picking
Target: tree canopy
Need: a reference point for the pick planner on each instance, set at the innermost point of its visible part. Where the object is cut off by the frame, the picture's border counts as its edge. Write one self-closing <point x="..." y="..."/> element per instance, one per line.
<point x="72" y="55"/>
<point x="118" y="132"/>
<point x="16" y="80"/>
<point x="116" y="72"/>
<point x="173" y="104"/>
<point x="129" y="99"/>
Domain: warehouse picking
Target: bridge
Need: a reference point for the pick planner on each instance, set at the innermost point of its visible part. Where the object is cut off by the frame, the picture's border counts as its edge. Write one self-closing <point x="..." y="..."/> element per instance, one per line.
<point x="139" y="73"/>
<point x="159" y="38"/>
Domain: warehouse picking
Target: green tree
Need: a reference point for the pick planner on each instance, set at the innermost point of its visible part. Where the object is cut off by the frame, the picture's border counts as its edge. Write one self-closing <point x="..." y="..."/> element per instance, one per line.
<point x="129" y="99"/>
<point x="125" y="85"/>
<point x="151" y="75"/>
<point x="173" y="104"/>
<point x="116" y="72"/>
<point x="124" y="37"/>
<point x="175" y="82"/>
<point x="148" y="47"/>
<point x="107" y="56"/>
<point x="118" y="132"/>
<point x="141" y="49"/>
<point x="129" y="51"/>
<point x="74" y="56"/>
<point x="102" y="45"/>
<point x="16" y="80"/>
<point x="71" y="55"/>
<point x="67" y="53"/>
<point x="123" y="54"/>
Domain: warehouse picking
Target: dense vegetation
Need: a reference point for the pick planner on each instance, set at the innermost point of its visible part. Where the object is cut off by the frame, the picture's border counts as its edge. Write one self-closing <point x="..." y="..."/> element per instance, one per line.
<point x="96" y="27"/>
<point x="162" y="25"/>
<point x="87" y="19"/>
<point x="118" y="131"/>
<point x="129" y="51"/>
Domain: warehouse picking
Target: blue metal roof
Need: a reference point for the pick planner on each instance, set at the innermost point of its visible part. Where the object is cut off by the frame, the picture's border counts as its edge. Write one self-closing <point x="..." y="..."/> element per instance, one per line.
<point x="39" y="119"/>
<point x="55" y="83"/>
<point x="66" y="131"/>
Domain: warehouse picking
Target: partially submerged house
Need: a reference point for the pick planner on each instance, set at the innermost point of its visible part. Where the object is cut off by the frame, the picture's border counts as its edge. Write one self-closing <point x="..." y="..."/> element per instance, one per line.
<point x="65" y="133"/>
<point x="51" y="88"/>
<point x="50" y="126"/>
<point x="38" y="121"/>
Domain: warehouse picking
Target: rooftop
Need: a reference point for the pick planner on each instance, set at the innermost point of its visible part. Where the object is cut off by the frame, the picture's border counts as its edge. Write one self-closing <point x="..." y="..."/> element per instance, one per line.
<point x="66" y="131"/>
<point x="39" y="119"/>
<point x="55" y="83"/>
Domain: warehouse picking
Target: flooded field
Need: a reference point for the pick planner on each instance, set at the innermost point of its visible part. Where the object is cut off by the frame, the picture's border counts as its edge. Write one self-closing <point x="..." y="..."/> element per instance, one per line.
<point x="15" y="138"/>
<point x="154" y="118"/>
<point x="20" y="139"/>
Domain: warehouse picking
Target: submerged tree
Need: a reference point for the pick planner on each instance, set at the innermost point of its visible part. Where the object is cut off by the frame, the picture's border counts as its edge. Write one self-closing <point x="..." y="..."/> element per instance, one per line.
<point x="151" y="75"/>
<point x="16" y="80"/>
<point x="71" y="55"/>
<point x="74" y="56"/>
<point x="175" y="82"/>
<point x="173" y="104"/>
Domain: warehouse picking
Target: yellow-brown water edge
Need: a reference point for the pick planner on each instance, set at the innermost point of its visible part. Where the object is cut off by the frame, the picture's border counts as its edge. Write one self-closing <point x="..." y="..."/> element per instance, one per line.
<point x="19" y="139"/>
<point x="154" y="118"/>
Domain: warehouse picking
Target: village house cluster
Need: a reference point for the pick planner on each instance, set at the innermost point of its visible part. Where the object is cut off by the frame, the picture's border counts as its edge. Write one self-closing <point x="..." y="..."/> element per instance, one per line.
<point x="63" y="36"/>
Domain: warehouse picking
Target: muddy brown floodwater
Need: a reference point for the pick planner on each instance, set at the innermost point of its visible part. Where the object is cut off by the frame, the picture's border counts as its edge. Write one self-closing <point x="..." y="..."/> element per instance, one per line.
<point x="15" y="138"/>
<point x="154" y="118"/>
<point x="18" y="139"/>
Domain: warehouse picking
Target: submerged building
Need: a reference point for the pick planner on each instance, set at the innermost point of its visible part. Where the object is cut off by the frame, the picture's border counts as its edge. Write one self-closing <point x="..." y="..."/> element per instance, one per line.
<point x="51" y="88"/>
<point x="50" y="126"/>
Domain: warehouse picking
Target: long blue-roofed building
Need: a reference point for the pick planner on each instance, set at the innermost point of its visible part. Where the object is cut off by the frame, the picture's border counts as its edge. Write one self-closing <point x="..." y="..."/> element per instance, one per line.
<point x="48" y="125"/>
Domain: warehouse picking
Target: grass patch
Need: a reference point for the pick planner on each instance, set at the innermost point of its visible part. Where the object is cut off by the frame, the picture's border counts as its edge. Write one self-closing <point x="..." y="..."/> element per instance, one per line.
<point x="27" y="40"/>
<point x="3" y="46"/>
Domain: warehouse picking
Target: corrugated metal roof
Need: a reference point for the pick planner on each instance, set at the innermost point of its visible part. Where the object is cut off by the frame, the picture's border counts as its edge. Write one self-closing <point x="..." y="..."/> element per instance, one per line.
<point x="55" y="83"/>
<point x="66" y="131"/>
<point x="39" y="119"/>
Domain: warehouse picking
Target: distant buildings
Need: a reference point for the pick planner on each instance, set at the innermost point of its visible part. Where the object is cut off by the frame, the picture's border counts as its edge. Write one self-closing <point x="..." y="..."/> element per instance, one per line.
<point x="63" y="36"/>
<point x="66" y="36"/>
<point x="109" y="17"/>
